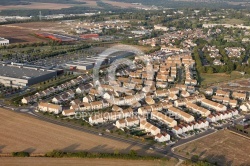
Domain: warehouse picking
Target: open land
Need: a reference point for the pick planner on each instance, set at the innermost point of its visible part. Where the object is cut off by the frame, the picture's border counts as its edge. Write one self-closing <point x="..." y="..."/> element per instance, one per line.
<point x="16" y="35"/>
<point x="55" y="6"/>
<point x="232" y="21"/>
<point x="39" y="161"/>
<point x="24" y="32"/>
<point x="34" y="5"/>
<point x="121" y="4"/>
<point x="215" y="78"/>
<point x="222" y="147"/>
<point x="19" y="132"/>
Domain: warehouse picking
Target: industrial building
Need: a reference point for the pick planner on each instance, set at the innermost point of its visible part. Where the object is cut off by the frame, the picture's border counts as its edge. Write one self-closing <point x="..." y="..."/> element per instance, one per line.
<point x="56" y="37"/>
<point x="89" y="62"/>
<point x="21" y="76"/>
<point x="4" y="42"/>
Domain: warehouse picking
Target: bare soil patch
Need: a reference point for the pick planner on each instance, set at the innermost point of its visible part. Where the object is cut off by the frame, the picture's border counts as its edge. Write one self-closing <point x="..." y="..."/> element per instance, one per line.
<point x="21" y="132"/>
<point x="35" y="5"/>
<point x="223" y="148"/>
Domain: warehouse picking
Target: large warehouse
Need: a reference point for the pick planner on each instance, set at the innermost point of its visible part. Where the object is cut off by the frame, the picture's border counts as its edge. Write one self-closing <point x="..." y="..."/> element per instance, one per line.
<point x="89" y="62"/>
<point x="21" y="76"/>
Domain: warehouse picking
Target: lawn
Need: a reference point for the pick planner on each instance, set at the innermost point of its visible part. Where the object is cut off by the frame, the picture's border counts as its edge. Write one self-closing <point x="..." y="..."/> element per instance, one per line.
<point x="208" y="79"/>
<point x="222" y="147"/>
<point x="211" y="79"/>
<point x="232" y="21"/>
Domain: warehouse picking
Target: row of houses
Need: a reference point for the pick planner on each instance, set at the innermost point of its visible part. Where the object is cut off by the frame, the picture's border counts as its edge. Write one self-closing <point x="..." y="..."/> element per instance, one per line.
<point x="65" y="96"/>
<point x="222" y="115"/>
<point x="148" y="127"/>
<point x="235" y="95"/>
<point x="199" y="110"/>
<point x="225" y="100"/>
<point x="183" y="128"/>
<point x="213" y="105"/>
<point x="163" y="118"/>
<point x="112" y="116"/>
<point x="190" y="99"/>
<point x="48" y="107"/>
<point x="51" y="90"/>
<point x="95" y="105"/>
<point x="127" y="122"/>
<point x="181" y="114"/>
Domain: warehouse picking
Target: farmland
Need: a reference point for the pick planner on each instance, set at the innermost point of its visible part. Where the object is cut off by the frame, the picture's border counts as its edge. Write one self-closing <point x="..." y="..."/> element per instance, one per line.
<point x="17" y="35"/>
<point x="56" y="6"/>
<point x="34" y="5"/>
<point x="223" y="148"/>
<point x="21" y="132"/>
<point x="120" y="4"/>
<point x="76" y="161"/>
<point x="24" y="32"/>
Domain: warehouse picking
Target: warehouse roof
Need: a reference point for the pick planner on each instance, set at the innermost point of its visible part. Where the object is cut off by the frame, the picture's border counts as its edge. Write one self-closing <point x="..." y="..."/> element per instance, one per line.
<point x="22" y="72"/>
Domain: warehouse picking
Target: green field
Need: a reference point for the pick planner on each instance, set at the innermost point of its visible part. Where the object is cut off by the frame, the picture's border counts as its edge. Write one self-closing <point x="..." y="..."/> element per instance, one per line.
<point x="210" y="79"/>
<point x="230" y="21"/>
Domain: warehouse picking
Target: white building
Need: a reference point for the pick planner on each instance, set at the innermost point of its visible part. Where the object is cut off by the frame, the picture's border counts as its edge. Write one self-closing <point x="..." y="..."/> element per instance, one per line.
<point x="4" y="42"/>
<point x="180" y="114"/>
<point x="48" y="107"/>
<point x="162" y="137"/>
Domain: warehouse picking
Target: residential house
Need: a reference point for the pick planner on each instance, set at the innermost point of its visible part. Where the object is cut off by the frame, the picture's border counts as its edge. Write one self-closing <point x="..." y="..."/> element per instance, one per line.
<point x="144" y="110"/>
<point x="149" y="100"/>
<point x="27" y="100"/>
<point x="115" y="108"/>
<point x="132" y="121"/>
<point x="172" y="97"/>
<point x="127" y="112"/>
<point x="233" y="103"/>
<point x="161" y="93"/>
<point x="240" y="96"/>
<point x="88" y="99"/>
<point x="85" y="107"/>
<point x="96" y="105"/>
<point x="177" y="130"/>
<point x="80" y="90"/>
<point x="196" y="109"/>
<point x="75" y="102"/>
<point x="222" y="93"/>
<point x="48" y="107"/>
<point x="154" y="130"/>
<point x="185" y="94"/>
<point x="180" y="114"/>
<point x="95" y="119"/>
<point x="162" y="137"/>
<point x="68" y="112"/>
<point x="213" y="105"/>
<point x="209" y="91"/>
<point x="161" y="84"/>
<point x="121" y="123"/>
<point x="163" y="118"/>
<point x="57" y="100"/>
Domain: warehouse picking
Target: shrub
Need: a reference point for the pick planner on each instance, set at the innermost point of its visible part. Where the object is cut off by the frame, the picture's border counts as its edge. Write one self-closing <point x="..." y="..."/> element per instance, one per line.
<point x="20" y="154"/>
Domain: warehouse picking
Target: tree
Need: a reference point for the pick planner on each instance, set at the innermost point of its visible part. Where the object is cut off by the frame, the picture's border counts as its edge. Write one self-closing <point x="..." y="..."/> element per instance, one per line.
<point x="195" y="158"/>
<point x="210" y="70"/>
